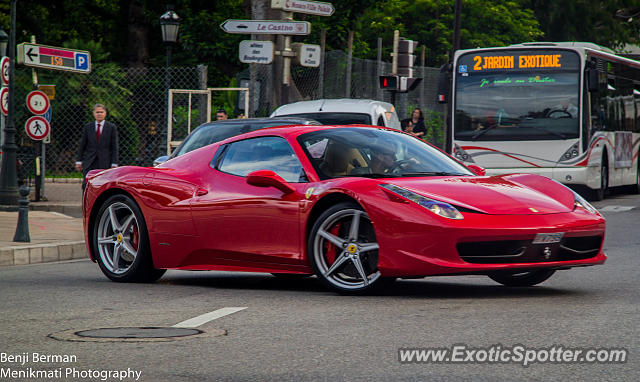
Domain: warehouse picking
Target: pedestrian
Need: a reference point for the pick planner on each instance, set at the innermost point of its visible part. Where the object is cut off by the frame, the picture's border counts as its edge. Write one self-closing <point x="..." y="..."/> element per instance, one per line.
<point x="415" y="125"/>
<point x="99" y="144"/>
<point x="221" y="114"/>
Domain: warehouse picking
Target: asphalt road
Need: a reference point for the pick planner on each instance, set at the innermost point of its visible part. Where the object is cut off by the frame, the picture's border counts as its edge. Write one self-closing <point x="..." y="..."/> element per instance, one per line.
<point x="297" y="330"/>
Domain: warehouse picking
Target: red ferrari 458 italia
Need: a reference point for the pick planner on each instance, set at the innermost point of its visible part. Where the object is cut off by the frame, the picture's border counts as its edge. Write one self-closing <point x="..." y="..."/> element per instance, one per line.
<point x="354" y="205"/>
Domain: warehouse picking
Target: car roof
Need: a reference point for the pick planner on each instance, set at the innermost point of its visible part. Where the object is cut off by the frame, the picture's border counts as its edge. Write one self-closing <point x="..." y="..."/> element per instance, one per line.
<point x="331" y="106"/>
<point x="288" y="120"/>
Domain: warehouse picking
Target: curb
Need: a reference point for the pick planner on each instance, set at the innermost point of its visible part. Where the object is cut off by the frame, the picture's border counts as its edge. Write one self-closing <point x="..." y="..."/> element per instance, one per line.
<point x="73" y="210"/>
<point x="42" y="253"/>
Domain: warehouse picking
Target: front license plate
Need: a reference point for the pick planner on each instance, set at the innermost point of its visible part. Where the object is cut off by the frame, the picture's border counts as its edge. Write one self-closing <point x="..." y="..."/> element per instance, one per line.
<point x="548" y="238"/>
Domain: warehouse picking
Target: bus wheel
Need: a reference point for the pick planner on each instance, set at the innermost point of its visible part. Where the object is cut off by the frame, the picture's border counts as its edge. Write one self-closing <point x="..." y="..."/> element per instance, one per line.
<point x="604" y="180"/>
<point x="636" y="187"/>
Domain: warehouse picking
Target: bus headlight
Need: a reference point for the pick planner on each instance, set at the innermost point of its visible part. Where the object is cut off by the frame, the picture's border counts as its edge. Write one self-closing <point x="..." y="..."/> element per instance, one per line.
<point x="571" y="153"/>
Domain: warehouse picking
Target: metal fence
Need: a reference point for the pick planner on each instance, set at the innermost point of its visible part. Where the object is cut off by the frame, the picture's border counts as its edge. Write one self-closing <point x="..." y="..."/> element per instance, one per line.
<point x="136" y="102"/>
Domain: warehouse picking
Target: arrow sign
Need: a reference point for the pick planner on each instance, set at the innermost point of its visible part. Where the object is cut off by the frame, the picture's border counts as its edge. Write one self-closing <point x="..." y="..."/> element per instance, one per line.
<point x="266" y="27"/>
<point x="50" y="57"/>
<point x="37" y="128"/>
<point x="318" y="8"/>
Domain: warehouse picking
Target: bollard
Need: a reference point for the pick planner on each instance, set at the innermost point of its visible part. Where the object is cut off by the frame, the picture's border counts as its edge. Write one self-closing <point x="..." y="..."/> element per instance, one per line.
<point x="22" y="229"/>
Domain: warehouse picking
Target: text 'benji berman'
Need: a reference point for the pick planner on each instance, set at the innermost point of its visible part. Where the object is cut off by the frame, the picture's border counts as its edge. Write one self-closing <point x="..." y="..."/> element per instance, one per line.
<point x="25" y="358"/>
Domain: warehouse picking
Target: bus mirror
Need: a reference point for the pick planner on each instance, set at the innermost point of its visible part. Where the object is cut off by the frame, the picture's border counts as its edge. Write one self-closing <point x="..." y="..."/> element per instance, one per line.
<point x="592" y="79"/>
<point x="444" y="82"/>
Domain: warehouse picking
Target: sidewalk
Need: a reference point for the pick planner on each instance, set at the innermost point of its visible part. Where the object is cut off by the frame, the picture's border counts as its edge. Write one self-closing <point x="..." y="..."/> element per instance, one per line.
<point x="55" y="227"/>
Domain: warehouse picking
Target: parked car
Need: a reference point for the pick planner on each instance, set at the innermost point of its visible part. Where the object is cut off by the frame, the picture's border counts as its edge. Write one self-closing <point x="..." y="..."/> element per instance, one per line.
<point x="344" y="111"/>
<point x="216" y="131"/>
<point x="356" y="206"/>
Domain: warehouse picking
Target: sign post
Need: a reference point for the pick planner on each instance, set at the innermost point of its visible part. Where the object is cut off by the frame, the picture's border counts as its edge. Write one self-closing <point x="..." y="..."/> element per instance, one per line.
<point x="4" y="71"/>
<point x="37" y="128"/>
<point x="256" y="52"/>
<point x="38" y="102"/>
<point x="318" y="8"/>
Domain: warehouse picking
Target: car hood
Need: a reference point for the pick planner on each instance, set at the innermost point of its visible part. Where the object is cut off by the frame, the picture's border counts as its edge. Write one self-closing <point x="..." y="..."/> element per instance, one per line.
<point x="519" y="194"/>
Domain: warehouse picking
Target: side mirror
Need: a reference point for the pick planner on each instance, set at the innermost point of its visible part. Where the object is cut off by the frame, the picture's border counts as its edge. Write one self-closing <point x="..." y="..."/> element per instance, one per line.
<point x="160" y="160"/>
<point x="268" y="178"/>
<point x="476" y="169"/>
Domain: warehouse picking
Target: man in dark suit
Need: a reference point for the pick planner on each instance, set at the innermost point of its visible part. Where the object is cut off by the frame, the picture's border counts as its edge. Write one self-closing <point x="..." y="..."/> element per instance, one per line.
<point x="99" y="145"/>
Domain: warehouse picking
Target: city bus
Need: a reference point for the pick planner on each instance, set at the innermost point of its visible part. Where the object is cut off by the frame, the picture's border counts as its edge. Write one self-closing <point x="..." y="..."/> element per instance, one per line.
<point x="568" y="111"/>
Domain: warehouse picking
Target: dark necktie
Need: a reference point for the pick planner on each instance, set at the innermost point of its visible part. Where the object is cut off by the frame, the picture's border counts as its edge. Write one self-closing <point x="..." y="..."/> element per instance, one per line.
<point x="98" y="132"/>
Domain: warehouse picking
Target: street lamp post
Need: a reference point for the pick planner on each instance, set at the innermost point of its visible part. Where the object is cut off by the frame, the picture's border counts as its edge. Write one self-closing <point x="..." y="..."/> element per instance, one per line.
<point x="169" y="24"/>
<point x="8" y="173"/>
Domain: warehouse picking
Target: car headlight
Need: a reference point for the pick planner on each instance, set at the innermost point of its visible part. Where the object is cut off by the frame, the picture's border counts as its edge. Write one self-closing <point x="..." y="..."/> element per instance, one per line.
<point x="582" y="203"/>
<point x="443" y="209"/>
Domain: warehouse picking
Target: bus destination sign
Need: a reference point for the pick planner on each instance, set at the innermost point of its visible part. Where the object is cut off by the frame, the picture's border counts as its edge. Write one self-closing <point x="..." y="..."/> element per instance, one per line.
<point x="518" y="60"/>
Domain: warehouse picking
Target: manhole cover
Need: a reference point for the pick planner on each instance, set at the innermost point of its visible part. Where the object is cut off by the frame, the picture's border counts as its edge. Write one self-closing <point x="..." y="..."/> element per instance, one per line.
<point x="145" y="332"/>
<point x="135" y="334"/>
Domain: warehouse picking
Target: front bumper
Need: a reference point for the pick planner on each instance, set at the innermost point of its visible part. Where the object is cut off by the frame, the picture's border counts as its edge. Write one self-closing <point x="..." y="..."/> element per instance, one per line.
<point x="425" y="249"/>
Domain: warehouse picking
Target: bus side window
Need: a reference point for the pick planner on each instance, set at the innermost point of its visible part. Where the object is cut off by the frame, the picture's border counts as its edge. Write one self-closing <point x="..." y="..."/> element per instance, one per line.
<point x="380" y="121"/>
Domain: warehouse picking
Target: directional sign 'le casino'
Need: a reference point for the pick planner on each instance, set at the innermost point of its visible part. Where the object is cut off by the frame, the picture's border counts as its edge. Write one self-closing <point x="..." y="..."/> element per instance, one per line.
<point x="49" y="57"/>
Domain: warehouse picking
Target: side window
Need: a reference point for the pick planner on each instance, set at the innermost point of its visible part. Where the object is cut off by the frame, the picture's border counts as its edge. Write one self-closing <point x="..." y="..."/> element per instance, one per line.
<point x="265" y="153"/>
<point x="380" y="121"/>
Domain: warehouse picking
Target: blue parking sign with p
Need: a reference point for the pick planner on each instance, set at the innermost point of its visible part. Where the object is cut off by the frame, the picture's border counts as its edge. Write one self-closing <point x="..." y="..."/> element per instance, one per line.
<point x="82" y="61"/>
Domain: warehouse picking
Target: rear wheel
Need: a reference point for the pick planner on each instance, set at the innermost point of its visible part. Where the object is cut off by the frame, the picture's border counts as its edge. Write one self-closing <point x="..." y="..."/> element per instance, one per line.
<point x="121" y="243"/>
<point x="522" y="279"/>
<point x="636" y="187"/>
<point x="343" y="249"/>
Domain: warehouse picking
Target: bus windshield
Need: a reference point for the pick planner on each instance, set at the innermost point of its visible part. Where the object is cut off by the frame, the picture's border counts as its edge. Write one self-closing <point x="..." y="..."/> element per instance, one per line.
<point x="517" y="104"/>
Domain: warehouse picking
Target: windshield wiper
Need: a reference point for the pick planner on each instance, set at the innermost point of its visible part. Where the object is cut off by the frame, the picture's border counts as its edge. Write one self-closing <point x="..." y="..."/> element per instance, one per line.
<point x="434" y="173"/>
<point x="482" y="132"/>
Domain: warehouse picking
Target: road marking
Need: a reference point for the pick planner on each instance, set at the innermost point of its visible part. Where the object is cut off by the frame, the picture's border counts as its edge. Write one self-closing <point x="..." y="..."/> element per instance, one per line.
<point x="203" y="319"/>
<point x="616" y="208"/>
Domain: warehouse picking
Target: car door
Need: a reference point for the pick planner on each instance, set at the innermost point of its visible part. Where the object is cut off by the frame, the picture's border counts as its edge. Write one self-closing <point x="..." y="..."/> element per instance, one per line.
<point x="241" y="222"/>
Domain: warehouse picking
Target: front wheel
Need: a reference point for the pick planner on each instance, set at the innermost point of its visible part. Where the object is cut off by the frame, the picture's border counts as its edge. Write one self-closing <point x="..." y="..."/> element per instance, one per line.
<point x="121" y="243"/>
<point x="522" y="279"/>
<point x="604" y="182"/>
<point x="343" y="249"/>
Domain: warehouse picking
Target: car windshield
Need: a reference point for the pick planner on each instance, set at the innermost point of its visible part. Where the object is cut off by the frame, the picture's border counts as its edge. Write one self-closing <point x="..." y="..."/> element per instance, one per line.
<point x="375" y="153"/>
<point x="337" y="118"/>
<point x="216" y="132"/>
<point x="518" y="104"/>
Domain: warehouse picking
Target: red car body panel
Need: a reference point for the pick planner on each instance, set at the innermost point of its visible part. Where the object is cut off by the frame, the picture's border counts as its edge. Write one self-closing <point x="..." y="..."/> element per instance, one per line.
<point x="200" y="218"/>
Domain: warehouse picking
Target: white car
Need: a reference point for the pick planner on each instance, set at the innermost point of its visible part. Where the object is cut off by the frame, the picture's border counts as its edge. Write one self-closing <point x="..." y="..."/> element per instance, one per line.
<point x="344" y="111"/>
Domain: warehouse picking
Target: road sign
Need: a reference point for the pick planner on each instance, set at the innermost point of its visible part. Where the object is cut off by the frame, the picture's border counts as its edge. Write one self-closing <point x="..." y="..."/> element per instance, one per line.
<point x="266" y="27"/>
<point x="4" y="70"/>
<point x="49" y="90"/>
<point x="318" y="8"/>
<point x="307" y="55"/>
<point x="37" y="128"/>
<point x="38" y="102"/>
<point x="256" y="52"/>
<point x="50" y="57"/>
<point x="4" y="101"/>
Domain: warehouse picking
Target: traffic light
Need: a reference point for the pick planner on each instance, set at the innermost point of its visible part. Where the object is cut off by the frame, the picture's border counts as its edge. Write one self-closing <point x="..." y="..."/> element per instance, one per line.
<point x="388" y="82"/>
<point x="406" y="58"/>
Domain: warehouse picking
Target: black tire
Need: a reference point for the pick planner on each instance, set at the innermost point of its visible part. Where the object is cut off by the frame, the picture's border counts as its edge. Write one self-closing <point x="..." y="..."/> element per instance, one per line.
<point x="343" y="274"/>
<point x="601" y="193"/>
<point x="636" y="187"/>
<point x="522" y="279"/>
<point x="138" y="269"/>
